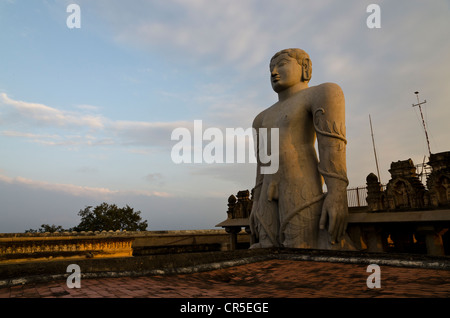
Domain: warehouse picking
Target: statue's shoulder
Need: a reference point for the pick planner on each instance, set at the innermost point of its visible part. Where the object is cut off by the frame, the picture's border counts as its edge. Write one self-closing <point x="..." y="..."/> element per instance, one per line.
<point x="327" y="89"/>
<point x="328" y="93"/>
<point x="257" y="122"/>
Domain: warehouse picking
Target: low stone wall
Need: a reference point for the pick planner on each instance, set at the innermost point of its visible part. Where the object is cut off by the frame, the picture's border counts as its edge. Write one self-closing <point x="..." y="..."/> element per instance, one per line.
<point x="162" y="242"/>
<point x="21" y="273"/>
<point x="16" y="248"/>
<point x="26" y="247"/>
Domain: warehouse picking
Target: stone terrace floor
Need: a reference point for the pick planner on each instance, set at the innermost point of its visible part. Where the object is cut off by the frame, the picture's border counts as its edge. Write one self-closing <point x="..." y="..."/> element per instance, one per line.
<point x="267" y="279"/>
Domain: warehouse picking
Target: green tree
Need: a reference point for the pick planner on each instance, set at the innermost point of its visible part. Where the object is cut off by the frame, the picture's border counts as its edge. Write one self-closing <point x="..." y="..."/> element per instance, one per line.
<point x="106" y="217"/>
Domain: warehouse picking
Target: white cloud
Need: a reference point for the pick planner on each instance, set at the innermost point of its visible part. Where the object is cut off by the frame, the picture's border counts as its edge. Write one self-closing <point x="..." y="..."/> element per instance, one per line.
<point x="61" y="140"/>
<point x="91" y="108"/>
<point x="76" y="190"/>
<point x="211" y="33"/>
<point x="89" y="130"/>
<point x="151" y="134"/>
<point x="11" y="133"/>
<point x="47" y="115"/>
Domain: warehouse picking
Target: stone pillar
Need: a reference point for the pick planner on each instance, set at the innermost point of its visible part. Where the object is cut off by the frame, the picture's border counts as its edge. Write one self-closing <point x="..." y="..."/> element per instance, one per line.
<point x="433" y="240"/>
<point x="355" y="234"/>
<point x="233" y="231"/>
<point x="374" y="239"/>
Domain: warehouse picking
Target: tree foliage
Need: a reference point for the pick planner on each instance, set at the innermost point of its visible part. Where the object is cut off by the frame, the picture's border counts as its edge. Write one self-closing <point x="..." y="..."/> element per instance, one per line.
<point x="46" y="228"/>
<point x="103" y="217"/>
<point x="106" y="217"/>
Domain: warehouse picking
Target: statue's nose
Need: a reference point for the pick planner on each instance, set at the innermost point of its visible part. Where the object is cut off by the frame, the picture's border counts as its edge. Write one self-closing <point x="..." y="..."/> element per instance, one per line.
<point x="274" y="72"/>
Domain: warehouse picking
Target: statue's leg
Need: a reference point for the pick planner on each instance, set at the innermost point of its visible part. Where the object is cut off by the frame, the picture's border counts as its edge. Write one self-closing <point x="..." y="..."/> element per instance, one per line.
<point x="302" y="229"/>
<point x="265" y="224"/>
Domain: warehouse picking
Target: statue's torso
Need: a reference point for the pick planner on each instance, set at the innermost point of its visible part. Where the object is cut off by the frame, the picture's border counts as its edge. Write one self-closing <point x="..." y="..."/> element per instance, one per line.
<point x="297" y="155"/>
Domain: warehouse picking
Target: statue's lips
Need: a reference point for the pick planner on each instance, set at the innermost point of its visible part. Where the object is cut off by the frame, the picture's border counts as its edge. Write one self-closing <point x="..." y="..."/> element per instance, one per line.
<point x="275" y="79"/>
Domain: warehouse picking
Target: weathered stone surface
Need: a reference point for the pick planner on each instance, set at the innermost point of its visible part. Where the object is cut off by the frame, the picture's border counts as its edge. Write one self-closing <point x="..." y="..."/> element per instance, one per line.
<point x="169" y="264"/>
<point x="23" y="248"/>
<point x="405" y="191"/>
<point x="32" y="247"/>
<point x="289" y="206"/>
<point x="375" y="196"/>
<point x="438" y="181"/>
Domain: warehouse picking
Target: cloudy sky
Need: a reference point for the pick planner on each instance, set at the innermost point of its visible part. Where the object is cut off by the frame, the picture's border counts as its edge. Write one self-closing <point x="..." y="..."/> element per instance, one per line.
<point x="86" y="114"/>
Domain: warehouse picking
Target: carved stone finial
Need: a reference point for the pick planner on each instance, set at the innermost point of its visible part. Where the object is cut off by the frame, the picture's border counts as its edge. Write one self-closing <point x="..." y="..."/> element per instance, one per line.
<point x="231" y="205"/>
<point x="371" y="178"/>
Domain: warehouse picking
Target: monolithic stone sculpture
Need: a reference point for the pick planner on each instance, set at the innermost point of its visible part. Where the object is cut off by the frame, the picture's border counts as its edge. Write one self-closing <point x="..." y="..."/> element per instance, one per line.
<point x="289" y="206"/>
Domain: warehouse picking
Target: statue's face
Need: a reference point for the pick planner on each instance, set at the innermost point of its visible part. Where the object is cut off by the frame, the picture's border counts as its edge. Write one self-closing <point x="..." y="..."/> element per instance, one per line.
<point x="284" y="72"/>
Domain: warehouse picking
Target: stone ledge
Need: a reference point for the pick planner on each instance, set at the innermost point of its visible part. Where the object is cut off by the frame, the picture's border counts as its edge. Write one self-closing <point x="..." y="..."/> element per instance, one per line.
<point x="234" y="222"/>
<point x="416" y="216"/>
<point x="4" y="237"/>
<point x="355" y="257"/>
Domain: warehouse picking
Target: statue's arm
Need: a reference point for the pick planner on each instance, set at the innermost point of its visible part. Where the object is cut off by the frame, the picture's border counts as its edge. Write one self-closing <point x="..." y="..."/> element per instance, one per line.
<point x="329" y="123"/>
<point x="259" y="177"/>
<point x="258" y="185"/>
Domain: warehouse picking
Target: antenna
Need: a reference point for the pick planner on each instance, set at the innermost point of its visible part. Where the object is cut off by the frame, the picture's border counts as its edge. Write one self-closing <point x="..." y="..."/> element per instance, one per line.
<point x="374" y="151"/>
<point x="423" y="121"/>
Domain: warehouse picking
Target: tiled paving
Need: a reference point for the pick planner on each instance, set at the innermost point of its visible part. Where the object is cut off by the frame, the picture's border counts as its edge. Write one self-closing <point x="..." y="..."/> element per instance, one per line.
<point x="268" y="279"/>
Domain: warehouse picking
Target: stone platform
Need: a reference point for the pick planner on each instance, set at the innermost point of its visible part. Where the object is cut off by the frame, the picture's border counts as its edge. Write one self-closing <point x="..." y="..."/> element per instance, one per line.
<point x="259" y="273"/>
<point x="284" y="280"/>
<point x="276" y="278"/>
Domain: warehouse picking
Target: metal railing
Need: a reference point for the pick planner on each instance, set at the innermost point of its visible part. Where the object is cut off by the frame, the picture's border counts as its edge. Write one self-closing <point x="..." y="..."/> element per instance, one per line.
<point x="357" y="196"/>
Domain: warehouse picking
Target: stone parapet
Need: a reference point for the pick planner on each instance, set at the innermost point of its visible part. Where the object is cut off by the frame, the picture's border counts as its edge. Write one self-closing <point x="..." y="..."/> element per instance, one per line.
<point x="28" y="247"/>
<point x="17" y="247"/>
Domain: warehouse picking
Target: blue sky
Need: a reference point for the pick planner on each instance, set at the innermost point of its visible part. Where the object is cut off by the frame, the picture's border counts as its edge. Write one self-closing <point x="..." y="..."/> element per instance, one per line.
<point x="86" y="114"/>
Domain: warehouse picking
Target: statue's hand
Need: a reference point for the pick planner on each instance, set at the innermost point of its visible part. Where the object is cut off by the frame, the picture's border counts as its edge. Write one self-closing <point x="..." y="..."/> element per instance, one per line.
<point x="335" y="211"/>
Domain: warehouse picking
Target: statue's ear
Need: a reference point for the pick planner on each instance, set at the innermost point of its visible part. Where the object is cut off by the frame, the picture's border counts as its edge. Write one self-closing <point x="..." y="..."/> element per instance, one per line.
<point x="306" y="69"/>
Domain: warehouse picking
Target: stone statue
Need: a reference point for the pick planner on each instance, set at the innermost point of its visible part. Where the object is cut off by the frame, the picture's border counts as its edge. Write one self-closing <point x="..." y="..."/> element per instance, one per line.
<point x="289" y="206"/>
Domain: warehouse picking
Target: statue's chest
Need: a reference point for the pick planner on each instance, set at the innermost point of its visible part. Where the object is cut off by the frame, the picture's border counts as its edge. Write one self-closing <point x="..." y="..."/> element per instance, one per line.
<point x="286" y="115"/>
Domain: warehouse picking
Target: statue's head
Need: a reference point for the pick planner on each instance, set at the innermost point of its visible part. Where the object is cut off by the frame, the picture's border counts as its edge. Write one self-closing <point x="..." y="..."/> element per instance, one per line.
<point x="288" y="67"/>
